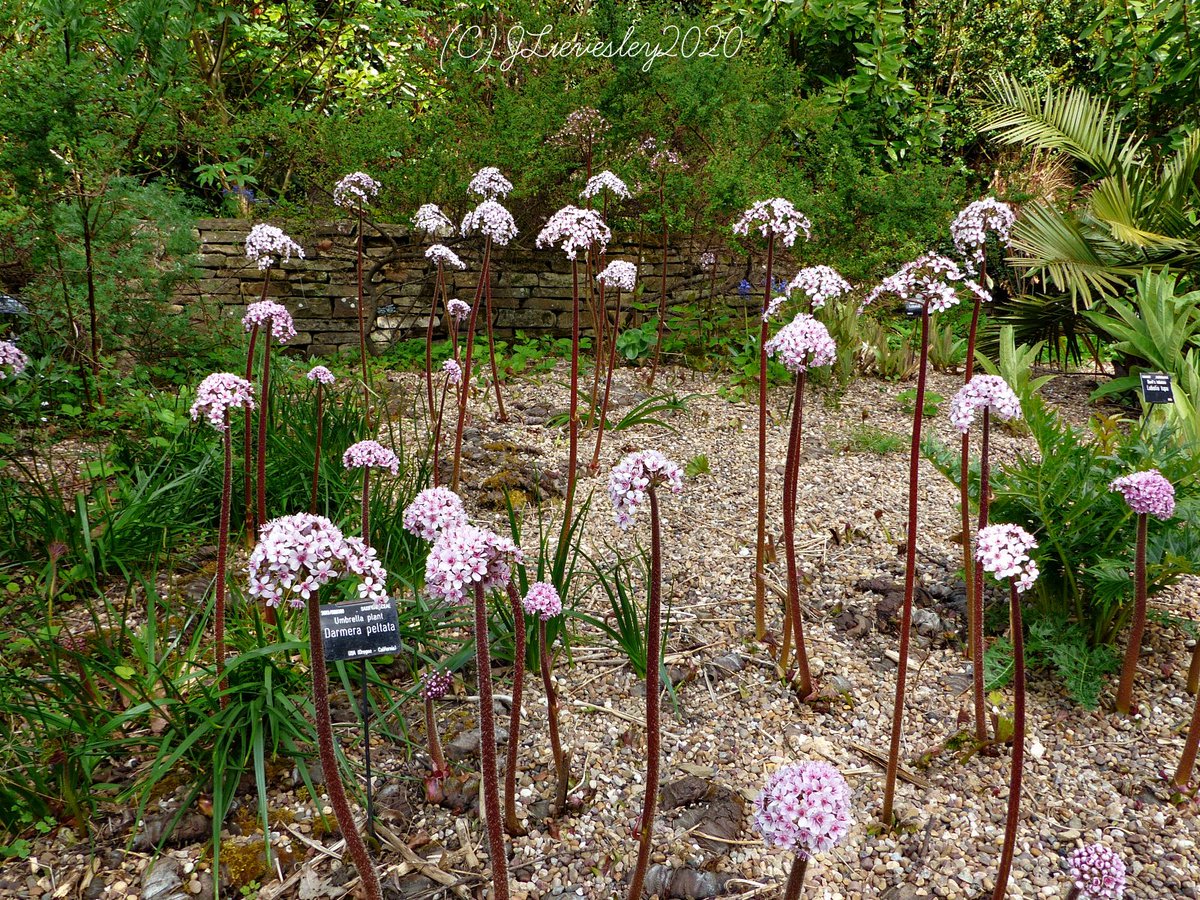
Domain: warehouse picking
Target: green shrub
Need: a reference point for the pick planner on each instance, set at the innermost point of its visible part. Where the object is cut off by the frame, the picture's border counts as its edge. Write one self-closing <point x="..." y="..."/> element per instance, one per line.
<point x="1060" y="494"/>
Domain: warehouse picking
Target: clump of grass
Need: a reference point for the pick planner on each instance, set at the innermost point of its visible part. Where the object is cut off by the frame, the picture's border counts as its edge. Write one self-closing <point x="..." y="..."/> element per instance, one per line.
<point x="870" y="439"/>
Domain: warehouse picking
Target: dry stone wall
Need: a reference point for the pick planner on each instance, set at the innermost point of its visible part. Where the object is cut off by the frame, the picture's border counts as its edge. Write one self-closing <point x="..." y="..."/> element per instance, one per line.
<point x="531" y="289"/>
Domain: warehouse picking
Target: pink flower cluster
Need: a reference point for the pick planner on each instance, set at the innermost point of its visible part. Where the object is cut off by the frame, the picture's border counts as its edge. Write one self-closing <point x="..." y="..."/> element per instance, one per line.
<point x="453" y="371"/>
<point x="355" y="191"/>
<point x="297" y="555"/>
<point x="430" y="219"/>
<point x="274" y="316"/>
<point x="1147" y="492"/>
<point x="929" y="278"/>
<point x="219" y="393"/>
<point x="773" y="307"/>
<point x="776" y="217"/>
<point x="463" y="556"/>
<point x="370" y="455"/>
<point x="320" y="375"/>
<point x="435" y="685"/>
<point x="605" y="181"/>
<point x="585" y="125"/>
<point x="801" y="344"/>
<point x="433" y="511"/>
<point x="542" y="600"/>
<point x="990" y="392"/>
<point x="489" y="184"/>
<point x="1003" y="550"/>
<point x="619" y="274"/>
<point x="574" y="229"/>
<point x="660" y="158"/>
<point x="12" y="360"/>
<point x="708" y="259"/>
<point x="442" y="255"/>
<point x="629" y="479"/>
<point x="1098" y="872"/>
<point x="804" y="807"/>
<point x="266" y="245"/>
<point x="820" y="284"/>
<point x="971" y="227"/>
<point x="459" y="309"/>
<point x="491" y="220"/>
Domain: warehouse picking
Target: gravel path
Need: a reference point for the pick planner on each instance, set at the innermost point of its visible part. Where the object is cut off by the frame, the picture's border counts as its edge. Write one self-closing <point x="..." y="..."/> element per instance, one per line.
<point x="1089" y="776"/>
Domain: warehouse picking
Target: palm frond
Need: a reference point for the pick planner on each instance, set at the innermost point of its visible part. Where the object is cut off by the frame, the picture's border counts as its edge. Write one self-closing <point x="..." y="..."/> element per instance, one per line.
<point x="1071" y="121"/>
<point x="1179" y="175"/>
<point x="1055" y="246"/>
<point x="1118" y="203"/>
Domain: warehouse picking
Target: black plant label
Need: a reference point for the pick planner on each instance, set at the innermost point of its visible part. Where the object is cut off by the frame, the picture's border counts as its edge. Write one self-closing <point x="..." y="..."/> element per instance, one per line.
<point x="1156" y="387"/>
<point x="359" y="630"/>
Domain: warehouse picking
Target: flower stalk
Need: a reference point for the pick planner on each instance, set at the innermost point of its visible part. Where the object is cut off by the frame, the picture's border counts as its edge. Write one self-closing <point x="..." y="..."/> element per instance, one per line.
<point x="468" y="354"/>
<point x="795" y="882"/>
<point x="316" y="473"/>
<point x="561" y="764"/>
<point x="512" y="824"/>
<point x="1018" y="753"/>
<point x="653" y="701"/>
<point x="910" y="571"/>
<point x="217" y="395"/>
<point x="1147" y="494"/>
<point x="1138" y="626"/>
<point x="487" y="750"/>
<point x="760" y="551"/>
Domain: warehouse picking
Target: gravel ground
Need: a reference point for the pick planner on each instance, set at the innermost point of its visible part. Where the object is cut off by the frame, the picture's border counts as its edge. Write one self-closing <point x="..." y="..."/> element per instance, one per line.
<point x="1089" y="776"/>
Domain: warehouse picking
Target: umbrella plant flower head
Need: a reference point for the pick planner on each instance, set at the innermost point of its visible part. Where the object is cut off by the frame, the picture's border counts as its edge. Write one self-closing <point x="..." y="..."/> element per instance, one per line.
<point x="370" y="455"/>
<point x="297" y="555"/>
<point x="971" y="227"/>
<point x="1147" y="493"/>
<point x="708" y="259"/>
<point x="619" y="274"/>
<point x="433" y="511"/>
<point x="453" y="371"/>
<point x="773" y="307"/>
<point x="320" y="375"/>
<point x="443" y="255"/>
<point x="928" y="278"/>
<point x="491" y="220"/>
<point x="542" y="600"/>
<point x="268" y="313"/>
<point x="820" y="284"/>
<point x="632" y="475"/>
<point x="13" y="360"/>
<point x="776" y="217"/>
<point x="219" y="393"/>
<point x="804" y="808"/>
<point x="605" y="181"/>
<point x="464" y="556"/>
<point x="435" y="685"/>
<point x="585" y="125"/>
<point x="1097" y="873"/>
<point x="430" y="219"/>
<point x="355" y="191"/>
<point x="1003" y="550"/>
<point x="990" y="392"/>
<point x="459" y="309"/>
<point x="660" y="157"/>
<point x="267" y="245"/>
<point x="574" y="229"/>
<point x="802" y="344"/>
<point x="489" y="184"/>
